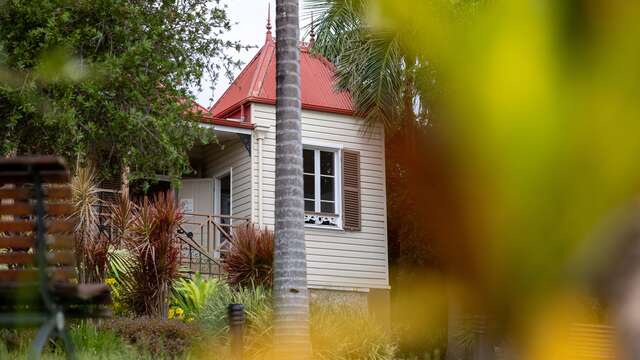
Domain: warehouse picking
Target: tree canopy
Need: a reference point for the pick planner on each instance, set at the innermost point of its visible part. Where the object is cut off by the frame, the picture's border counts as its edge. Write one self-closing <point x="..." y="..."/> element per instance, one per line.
<point x="109" y="80"/>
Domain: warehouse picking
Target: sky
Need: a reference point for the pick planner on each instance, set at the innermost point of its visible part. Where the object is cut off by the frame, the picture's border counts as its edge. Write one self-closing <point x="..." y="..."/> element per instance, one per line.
<point x="249" y="20"/>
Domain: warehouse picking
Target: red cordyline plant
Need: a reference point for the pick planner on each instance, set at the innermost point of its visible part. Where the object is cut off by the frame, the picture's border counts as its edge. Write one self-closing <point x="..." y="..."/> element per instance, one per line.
<point x="91" y="246"/>
<point x="122" y="215"/>
<point x="150" y="236"/>
<point x="250" y="258"/>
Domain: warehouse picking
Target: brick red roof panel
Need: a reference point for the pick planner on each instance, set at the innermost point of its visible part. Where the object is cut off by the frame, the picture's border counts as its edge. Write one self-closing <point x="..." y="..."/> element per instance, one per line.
<point x="257" y="82"/>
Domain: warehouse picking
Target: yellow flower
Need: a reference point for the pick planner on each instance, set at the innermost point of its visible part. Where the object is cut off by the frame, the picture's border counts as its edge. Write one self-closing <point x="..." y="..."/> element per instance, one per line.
<point x="179" y="312"/>
<point x="189" y="319"/>
<point x="171" y="313"/>
<point x="110" y="281"/>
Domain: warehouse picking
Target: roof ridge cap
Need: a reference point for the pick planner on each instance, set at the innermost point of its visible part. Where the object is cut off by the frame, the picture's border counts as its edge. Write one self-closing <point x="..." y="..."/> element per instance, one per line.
<point x="258" y="79"/>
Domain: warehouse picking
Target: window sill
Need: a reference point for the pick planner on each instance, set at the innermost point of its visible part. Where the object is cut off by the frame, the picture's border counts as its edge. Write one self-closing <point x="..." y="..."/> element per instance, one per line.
<point x="324" y="227"/>
<point x="322" y="220"/>
<point x="320" y="213"/>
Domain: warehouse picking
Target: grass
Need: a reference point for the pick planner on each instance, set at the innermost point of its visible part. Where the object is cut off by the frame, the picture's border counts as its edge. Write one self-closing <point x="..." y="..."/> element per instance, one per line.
<point x="258" y="313"/>
<point x="89" y="342"/>
<point x="338" y="331"/>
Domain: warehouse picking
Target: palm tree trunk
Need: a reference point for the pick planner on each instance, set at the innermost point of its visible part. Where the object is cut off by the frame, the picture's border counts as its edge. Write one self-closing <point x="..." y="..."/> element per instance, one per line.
<point x="290" y="294"/>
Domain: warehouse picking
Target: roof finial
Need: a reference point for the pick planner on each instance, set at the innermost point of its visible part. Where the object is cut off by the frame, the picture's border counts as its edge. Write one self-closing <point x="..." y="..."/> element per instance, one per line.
<point x="312" y="33"/>
<point x="269" y="21"/>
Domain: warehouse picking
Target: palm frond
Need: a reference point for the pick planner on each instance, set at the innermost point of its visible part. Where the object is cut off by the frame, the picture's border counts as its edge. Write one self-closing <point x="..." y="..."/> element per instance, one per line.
<point x="121" y="262"/>
<point x="373" y="70"/>
<point x="338" y="23"/>
<point x="369" y="62"/>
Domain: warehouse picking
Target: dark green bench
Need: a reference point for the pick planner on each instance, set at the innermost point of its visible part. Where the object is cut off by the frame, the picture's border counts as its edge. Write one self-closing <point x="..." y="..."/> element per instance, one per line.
<point x="38" y="281"/>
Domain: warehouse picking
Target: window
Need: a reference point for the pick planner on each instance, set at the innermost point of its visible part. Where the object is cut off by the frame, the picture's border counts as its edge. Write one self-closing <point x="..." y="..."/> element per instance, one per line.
<point x="321" y="186"/>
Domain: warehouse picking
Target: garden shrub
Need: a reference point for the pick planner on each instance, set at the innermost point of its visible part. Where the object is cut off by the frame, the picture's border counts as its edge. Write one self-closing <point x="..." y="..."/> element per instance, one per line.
<point x="257" y="307"/>
<point x="250" y="258"/>
<point x="190" y="295"/>
<point x="148" y="233"/>
<point x="91" y="245"/>
<point x="258" y="311"/>
<point x="167" y="338"/>
<point x="120" y="264"/>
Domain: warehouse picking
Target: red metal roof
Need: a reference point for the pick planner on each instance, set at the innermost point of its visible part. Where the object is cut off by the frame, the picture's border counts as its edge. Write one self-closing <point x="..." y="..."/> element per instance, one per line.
<point x="208" y="119"/>
<point x="257" y="83"/>
<point x="197" y="108"/>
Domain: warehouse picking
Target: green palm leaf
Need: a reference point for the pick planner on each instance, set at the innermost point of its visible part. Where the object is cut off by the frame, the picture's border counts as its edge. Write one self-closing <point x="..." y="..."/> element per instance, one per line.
<point x="370" y="63"/>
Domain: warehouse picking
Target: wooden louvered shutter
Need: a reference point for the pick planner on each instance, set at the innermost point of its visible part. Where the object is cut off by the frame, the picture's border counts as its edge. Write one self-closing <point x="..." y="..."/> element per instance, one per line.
<point x="351" y="190"/>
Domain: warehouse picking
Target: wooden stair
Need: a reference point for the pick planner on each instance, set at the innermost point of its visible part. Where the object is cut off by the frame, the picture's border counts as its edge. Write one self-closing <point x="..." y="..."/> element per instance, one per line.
<point x="195" y="259"/>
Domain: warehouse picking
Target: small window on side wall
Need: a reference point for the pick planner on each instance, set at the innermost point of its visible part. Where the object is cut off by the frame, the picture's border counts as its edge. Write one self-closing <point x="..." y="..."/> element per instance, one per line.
<point x="321" y="186"/>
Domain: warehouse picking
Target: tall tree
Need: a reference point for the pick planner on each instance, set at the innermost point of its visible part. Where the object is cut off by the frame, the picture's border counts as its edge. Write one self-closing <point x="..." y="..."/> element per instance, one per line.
<point x="291" y="298"/>
<point x="109" y="79"/>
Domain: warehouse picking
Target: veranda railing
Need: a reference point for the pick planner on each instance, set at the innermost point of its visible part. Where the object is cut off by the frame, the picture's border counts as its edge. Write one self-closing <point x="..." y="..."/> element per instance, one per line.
<point x="212" y="232"/>
<point x="204" y="238"/>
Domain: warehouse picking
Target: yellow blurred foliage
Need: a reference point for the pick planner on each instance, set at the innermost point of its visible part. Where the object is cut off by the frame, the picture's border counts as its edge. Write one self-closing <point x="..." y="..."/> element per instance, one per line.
<point x="542" y="117"/>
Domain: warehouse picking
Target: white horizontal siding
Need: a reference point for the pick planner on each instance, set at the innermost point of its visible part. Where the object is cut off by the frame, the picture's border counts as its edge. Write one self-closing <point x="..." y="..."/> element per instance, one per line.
<point x="232" y="155"/>
<point x="343" y="260"/>
<point x="346" y="254"/>
<point x="345" y="281"/>
<point x="335" y="258"/>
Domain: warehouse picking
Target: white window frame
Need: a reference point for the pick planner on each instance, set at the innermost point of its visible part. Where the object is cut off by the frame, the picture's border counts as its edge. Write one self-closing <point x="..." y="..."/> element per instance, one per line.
<point x="337" y="161"/>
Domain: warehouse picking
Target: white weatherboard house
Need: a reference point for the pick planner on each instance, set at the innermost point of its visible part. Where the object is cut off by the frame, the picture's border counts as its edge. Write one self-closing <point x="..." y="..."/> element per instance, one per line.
<point x="344" y="175"/>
